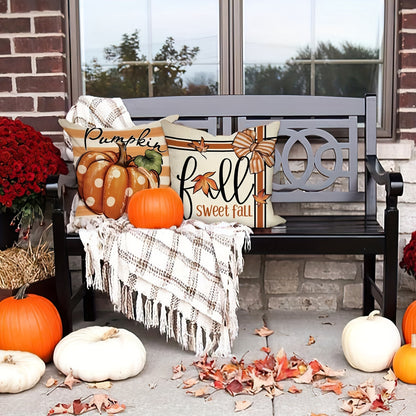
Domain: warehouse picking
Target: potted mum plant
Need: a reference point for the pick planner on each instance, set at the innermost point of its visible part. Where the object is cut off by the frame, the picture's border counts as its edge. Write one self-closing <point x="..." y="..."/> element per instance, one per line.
<point x="27" y="158"/>
<point x="408" y="262"/>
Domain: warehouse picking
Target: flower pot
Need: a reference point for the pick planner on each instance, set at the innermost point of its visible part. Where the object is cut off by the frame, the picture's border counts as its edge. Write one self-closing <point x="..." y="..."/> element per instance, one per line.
<point x="8" y="233"/>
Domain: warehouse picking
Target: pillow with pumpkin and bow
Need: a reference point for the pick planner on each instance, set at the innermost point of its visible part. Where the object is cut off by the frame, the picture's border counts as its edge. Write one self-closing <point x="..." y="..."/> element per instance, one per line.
<point x="224" y="178"/>
<point x="112" y="164"/>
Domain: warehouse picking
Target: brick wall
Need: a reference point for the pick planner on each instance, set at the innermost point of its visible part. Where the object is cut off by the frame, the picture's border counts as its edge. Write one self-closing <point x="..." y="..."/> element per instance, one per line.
<point x="33" y="80"/>
<point x="407" y="70"/>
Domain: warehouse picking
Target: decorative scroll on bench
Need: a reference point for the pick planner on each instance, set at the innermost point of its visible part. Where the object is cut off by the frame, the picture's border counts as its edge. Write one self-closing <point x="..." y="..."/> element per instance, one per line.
<point x="323" y="143"/>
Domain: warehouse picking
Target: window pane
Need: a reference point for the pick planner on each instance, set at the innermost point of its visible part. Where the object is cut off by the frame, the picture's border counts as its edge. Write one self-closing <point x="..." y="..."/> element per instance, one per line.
<point x="275" y="30"/>
<point x="347" y="80"/>
<point x="353" y="22"/>
<point x="285" y="42"/>
<point x="151" y="47"/>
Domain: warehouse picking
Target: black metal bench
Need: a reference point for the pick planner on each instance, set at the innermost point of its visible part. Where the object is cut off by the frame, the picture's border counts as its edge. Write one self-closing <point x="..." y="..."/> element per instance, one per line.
<point x="334" y="138"/>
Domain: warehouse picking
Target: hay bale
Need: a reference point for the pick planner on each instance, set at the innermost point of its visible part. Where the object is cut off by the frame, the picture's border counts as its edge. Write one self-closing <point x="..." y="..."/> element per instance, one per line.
<point x="25" y="265"/>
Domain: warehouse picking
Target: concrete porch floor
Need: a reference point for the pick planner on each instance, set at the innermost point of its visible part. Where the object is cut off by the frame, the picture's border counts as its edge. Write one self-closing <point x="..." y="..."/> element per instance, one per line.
<point x="153" y="392"/>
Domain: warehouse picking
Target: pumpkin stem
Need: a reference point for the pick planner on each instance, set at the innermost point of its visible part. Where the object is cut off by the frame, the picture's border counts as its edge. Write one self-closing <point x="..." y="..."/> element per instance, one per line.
<point x="373" y="314"/>
<point x="21" y="293"/>
<point x="123" y="158"/>
<point x="8" y="359"/>
<point x="413" y="342"/>
<point x="111" y="333"/>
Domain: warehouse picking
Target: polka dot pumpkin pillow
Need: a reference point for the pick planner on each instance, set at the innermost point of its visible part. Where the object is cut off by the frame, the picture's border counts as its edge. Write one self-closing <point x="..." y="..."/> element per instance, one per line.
<point x="111" y="165"/>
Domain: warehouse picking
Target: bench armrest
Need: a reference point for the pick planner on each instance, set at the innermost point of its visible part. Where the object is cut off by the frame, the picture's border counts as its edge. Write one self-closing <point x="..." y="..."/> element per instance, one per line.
<point x="392" y="181"/>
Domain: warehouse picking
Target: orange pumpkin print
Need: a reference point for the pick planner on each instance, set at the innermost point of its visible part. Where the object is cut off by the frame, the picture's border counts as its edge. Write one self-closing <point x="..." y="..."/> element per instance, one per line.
<point x="106" y="181"/>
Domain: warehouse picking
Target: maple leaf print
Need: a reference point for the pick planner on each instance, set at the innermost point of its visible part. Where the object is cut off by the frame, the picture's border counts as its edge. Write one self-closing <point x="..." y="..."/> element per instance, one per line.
<point x="261" y="197"/>
<point x="199" y="146"/>
<point x="205" y="183"/>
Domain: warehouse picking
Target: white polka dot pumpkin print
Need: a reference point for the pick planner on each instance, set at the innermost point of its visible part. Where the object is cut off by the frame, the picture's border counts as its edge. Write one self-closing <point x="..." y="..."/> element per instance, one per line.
<point x="106" y="181"/>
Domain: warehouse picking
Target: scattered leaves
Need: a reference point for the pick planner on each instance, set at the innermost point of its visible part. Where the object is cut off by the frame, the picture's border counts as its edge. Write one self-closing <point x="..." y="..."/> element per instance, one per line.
<point x="264" y="331"/>
<point x="370" y="397"/>
<point x="205" y="183"/>
<point x="242" y="405"/>
<point x="99" y="402"/>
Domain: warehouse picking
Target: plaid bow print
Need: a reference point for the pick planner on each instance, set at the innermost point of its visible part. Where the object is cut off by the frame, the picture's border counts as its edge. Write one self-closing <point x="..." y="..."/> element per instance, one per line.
<point x="262" y="152"/>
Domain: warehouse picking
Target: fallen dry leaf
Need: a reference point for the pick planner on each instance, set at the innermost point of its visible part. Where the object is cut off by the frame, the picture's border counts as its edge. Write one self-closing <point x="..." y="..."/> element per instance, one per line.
<point x="311" y="340"/>
<point x="331" y="385"/>
<point x="190" y="383"/>
<point x="51" y="382"/>
<point x="202" y="392"/>
<point x="241" y="405"/>
<point x="264" y="331"/>
<point x="294" y="390"/>
<point x="178" y="371"/>
<point x="70" y="380"/>
<point x="273" y="391"/>
<point x="105" y="385"/>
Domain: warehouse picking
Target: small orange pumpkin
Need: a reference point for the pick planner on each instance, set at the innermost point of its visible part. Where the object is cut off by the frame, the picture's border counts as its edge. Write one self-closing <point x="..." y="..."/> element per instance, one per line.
<point x="29" y="323"/>
<point x="404" y="362"/>
<point x="155" y="208"/>
<point x="106" y="181"/>
<point x="409" y="322"/>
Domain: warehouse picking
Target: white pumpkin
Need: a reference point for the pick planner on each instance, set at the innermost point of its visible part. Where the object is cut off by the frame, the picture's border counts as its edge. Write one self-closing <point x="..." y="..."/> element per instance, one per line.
<point x="370" y="342"/>
<point x="19" y="371"/>
<point x="99" y="353"/>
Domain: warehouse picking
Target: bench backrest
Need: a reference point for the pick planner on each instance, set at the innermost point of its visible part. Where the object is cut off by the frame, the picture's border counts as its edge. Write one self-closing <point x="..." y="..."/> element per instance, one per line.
<point x="318" y="149"/>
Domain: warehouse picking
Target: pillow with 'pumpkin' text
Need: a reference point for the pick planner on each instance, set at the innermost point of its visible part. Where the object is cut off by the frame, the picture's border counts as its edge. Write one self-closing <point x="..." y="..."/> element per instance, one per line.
<point x="224" y="178"/>
<point x="112" y="164"/>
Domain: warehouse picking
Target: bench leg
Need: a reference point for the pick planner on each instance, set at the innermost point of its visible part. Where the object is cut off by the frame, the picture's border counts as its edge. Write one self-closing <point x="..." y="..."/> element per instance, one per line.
<point x="62" y="273"/>
<point x="368" y="281"/>
<point x="390" y="271"/>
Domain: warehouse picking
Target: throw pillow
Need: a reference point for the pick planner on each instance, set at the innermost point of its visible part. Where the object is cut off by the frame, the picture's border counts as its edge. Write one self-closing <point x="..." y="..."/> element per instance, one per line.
<point x="112" y="164"/>
<point x="224" y="178"/>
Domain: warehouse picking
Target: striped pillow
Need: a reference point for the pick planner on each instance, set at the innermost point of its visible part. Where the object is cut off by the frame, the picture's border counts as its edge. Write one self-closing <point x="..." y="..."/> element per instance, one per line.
<point x="224" y="178"/>
<point x="144" y="146"/>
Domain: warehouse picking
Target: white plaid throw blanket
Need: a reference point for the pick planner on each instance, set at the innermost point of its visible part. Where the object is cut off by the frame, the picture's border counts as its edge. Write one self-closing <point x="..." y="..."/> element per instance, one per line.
<point x="183" y="280"/>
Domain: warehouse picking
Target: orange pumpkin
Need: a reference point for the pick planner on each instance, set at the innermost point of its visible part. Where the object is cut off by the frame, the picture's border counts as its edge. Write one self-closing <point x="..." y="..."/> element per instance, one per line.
<point x="155" y="208"/>
<point x="106" y="181"/>
<point x="404" y="362"/>
<point x="29" y="323"/>
<point x="409" y="322"/>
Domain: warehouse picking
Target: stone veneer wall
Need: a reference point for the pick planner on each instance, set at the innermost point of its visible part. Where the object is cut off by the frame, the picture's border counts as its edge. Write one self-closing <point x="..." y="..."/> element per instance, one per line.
<point x="34" y="88"/>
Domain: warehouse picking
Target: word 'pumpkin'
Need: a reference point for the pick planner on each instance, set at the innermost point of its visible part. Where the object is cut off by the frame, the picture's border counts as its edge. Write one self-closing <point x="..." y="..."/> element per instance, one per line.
<point x="409" y="322"/>
<point x="29" y="323"/>
<point x="155" y="208"/>
<point x="106" y="181"/>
